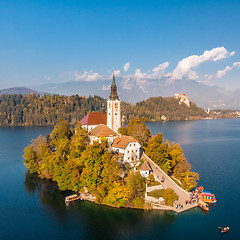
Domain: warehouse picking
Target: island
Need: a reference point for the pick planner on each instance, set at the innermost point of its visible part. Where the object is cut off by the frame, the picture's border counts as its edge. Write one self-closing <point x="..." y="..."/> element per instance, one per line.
<point x="110" y="164"/>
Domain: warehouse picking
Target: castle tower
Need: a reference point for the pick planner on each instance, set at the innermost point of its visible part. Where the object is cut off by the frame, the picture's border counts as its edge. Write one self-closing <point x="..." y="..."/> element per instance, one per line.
<point x="113" y="108"/>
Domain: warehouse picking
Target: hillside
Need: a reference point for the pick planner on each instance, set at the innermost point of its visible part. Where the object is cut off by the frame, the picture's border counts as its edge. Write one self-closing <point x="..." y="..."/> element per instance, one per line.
<point x="156" y="107"/>
<point x="17" y="90"/>
<point x="205" y="96"/>
<point x="35" y="110"/>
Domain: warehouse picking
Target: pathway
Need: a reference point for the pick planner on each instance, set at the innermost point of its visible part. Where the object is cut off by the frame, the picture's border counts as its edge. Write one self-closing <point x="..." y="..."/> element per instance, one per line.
<point x="183" y="195"/>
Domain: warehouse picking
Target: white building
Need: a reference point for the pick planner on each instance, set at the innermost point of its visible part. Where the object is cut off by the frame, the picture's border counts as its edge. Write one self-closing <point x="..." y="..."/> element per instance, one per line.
<point x="114" y="108"/>
<point x="145" y="169"/>
<point x="102" y="131"/>
<point x="113" y="116"/>
<point x="128" y="147"/>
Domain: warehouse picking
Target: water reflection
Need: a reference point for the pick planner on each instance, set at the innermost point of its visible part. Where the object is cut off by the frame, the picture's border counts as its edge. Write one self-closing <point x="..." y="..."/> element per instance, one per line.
<point x="93" y="221"/>
<point x="48" y="194"/>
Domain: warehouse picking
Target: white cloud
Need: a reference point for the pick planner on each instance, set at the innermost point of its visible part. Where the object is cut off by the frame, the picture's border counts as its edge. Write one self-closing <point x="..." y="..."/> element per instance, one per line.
<point x="158" y="71"/>
<point x="127" y="82"/>
<point x="143" y="80"/>
<point x="126" y="66"/>
<point x="185" y="66"/>
<point x="116" y="73"/>
<point x="47" y="78"/>
<point x="206" y="82"/>
<point x="161" y="67"/>
<point x="221" y="73"/>
<point x="88" y="76"/>
<point x="184" y="69"/>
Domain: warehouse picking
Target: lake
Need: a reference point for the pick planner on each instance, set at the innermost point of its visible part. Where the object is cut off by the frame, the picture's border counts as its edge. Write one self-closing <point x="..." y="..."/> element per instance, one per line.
<point x="32" y="208"/>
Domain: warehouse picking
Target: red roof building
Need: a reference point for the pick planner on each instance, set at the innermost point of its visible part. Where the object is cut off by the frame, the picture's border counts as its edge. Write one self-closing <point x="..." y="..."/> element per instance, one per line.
<point x="128" y="146"/>
<point x="102" y="131"/>
<point x="92" y="119"/>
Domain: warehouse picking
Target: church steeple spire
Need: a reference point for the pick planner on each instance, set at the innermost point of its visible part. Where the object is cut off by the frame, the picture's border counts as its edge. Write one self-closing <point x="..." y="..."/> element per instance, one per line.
<point x="113" y="95"/>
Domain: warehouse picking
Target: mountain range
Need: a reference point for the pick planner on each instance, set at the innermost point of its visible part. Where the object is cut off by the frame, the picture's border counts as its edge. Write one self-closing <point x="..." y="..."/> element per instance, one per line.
<point x="204" y="96"/>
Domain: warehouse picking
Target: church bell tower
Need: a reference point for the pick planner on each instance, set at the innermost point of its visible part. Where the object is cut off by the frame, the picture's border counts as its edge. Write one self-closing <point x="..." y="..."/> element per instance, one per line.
<point x="113" y="108"/>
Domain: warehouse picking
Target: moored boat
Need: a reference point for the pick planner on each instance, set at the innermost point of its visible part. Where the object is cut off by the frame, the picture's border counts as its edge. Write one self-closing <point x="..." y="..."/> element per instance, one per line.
<point x="72" y="198"/>
<point x="207" y="197"/>
<point x="203" y="205"/>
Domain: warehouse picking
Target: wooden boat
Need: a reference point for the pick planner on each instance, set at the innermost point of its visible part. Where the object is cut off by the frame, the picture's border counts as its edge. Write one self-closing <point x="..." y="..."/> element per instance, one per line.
<point x="203" y="205"/>
<point x="207" y="197"/>
<point x="224" y="229"/>
<point x="72" y="198"/>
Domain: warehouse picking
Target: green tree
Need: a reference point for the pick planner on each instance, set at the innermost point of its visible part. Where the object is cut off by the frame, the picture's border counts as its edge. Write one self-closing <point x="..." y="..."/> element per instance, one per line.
<point x="169" y="196"/>
<point x="60" y="131"/>
<point x="30" y="159"/>
<point x="158" y="151"/>
<point x="137" y="129"/>
<point x="189" y="179"/>
<point x="136" y="184"/>
<point x="79" y="141"/>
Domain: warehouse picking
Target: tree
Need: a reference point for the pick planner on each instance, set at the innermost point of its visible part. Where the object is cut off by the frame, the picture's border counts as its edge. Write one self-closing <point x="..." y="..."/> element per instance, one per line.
<point x="30" y="159"/>
<point x="136" y="184"/>
<point x="137" y="129"/>
<point x="158" y="151"/>
<point x="118" y="195"/>
<point x="60" y="131"/>
<point x="169" y="196"/>
<point x="189" y="179"/>
<point x="79" y="141"/>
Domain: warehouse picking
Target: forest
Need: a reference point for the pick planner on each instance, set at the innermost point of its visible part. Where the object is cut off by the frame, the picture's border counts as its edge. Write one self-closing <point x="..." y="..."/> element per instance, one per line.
<point x="35" y="110"/>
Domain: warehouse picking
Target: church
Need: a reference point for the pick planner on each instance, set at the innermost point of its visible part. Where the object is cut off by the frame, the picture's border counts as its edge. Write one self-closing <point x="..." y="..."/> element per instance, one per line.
<point x="106" y="125"/>
<point x="112" y="119"/>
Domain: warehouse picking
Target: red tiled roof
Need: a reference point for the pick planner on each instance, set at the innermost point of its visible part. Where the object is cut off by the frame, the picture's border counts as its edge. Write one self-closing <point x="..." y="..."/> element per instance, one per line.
<point x="123" y="141"/>
<point x="102" y="131"/>
<point x="94" y="118"/>
<point x="145" y="167"/>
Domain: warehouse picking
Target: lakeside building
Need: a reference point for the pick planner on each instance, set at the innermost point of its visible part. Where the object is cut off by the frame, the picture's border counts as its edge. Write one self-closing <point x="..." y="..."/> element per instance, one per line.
<point x="145" y="169"/>
<point x="113" y="116"/>
<point x="106" y="125"/>
<point x="128" y="148"/>
<point x="93" y="119"/>
<point x="102" y="131"/>
<point x="114" y="108"/>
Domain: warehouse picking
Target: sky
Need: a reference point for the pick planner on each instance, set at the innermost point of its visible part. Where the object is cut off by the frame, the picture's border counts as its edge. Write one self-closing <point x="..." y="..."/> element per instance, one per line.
<point x="68" y="40"/>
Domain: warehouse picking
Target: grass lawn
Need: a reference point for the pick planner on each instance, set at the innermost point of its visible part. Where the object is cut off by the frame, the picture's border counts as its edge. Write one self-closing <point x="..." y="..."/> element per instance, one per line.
<point x="156" y="193"/>
<point x="155" y="183"/>
<point x="168" y="194"/>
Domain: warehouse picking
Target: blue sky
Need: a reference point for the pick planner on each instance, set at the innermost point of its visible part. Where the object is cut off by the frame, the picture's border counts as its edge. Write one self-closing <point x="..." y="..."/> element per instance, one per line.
<point x="58" y="41"/>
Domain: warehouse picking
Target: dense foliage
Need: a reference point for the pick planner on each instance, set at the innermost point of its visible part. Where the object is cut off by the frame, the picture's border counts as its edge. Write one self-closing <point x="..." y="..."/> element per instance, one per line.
<point x="138" y="130"/>
<point x="36" y="110"/>
<point x="154" y="108"/>
<point x="170" y="157"/>
<point x="66" y="157"/>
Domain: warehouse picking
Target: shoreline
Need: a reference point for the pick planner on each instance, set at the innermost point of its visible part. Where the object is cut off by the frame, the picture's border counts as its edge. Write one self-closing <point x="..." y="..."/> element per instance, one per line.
<point x="90" y="198"/>
<point x="147" y="121"/>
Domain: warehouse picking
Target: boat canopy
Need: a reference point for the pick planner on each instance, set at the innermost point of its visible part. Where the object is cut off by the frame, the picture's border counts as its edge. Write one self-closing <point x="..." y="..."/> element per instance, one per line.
<point x="206" y="193"/>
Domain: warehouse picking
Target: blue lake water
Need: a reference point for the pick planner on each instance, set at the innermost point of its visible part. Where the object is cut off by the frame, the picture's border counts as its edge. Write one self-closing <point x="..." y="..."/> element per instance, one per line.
<point x="31" y="208"/>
